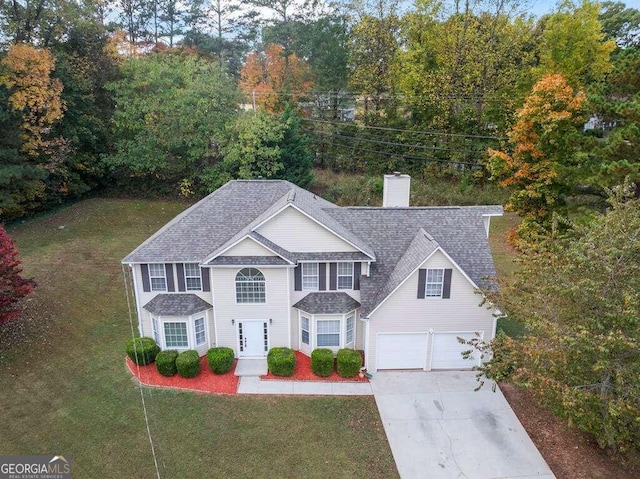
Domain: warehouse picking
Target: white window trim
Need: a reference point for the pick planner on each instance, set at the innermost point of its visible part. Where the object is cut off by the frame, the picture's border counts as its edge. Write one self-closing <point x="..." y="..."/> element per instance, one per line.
<point x="195" y="331"/>
<point x="186" y="277"/>
<point x="155" y="324"/>
<point x="176" y="321"/>
<point x="313" y="330"/>
<point x="350" y="275"/>
<point x="346" y="329"/>
<point x="308" y="330"/>
<point x="427" y="283"/>
<point x="339" y="333"/>
<point x="235" y="282"/>
<point x="316" y="276"/>
<point x="190" y="322"/>
<point x="155" y="276"/>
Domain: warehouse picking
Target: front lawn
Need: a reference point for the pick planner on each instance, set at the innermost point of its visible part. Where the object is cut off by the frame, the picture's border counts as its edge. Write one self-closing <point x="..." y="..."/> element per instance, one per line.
<point x="65" y="389"/>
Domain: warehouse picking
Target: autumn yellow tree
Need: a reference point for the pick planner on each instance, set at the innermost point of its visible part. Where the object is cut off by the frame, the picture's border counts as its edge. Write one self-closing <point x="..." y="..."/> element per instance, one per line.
<point x="273" y="78"/>
<point x="34" y="93"/>
<point x="545" y="142"/>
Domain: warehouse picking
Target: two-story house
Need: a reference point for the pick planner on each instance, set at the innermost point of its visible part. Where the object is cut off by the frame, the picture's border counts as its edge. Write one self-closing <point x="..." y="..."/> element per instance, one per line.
<point x="264" y="263"/>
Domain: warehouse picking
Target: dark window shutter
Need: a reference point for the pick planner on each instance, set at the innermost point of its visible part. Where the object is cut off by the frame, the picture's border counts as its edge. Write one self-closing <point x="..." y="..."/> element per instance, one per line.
<point x="146" y="285"/>
<point x="322" y="276"/>
<point x="357" y="271"/>
<point x="206" y="284"/>
<point x="422" y="281"/>
<point x="297" y="278"/>
<point x="446" y="286"/>
<point x="169" y="270"/>
<point x="333" y="276"/>
<point x="180" y="269"/>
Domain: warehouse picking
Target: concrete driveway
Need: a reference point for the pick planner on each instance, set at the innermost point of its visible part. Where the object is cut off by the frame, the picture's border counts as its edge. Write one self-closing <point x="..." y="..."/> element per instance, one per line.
<point x="438" y="427"/>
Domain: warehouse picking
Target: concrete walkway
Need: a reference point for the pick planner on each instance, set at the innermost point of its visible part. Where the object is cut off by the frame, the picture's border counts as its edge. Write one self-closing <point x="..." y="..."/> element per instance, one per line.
<point x="438" y="427"/>
<point x="250" y="371"/>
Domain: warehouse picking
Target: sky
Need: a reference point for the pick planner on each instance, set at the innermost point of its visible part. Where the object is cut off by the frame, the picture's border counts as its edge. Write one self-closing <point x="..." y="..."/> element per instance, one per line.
<point x="540" y="7"/>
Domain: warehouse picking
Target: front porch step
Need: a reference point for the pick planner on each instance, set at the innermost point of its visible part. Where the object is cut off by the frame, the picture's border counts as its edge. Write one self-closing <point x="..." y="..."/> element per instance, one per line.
<point x="251" y="367"/>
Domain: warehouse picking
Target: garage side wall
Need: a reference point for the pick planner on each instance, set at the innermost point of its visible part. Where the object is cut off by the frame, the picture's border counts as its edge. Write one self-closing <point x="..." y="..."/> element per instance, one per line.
<point x="403" y="312"/>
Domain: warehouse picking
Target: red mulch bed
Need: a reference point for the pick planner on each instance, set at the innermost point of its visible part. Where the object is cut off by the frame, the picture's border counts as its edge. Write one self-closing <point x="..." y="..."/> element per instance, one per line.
<point x="205" y="381"/>
<point x="303" y="372"/>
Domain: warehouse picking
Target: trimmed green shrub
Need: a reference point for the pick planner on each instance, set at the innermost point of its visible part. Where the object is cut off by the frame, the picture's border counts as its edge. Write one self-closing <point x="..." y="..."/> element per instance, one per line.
<point x="349" y="362"/>
<point x="281" y="361"/>
<point x="322" y="362"/>
<point x="220" y="360"/>
<point x="142" y="351"/>
<point x="166" y="362"/>
<point x="188" y="363"/>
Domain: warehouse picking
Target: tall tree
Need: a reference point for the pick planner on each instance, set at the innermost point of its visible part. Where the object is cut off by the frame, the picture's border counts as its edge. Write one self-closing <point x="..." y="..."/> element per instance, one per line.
<point x="271" y="80"/>
<point x="580" y="301"/>
<point x="621" y="23"/>
<point x="13" y="286"/>
<point x="574" y="44"/>
<point x="545" y="141"/>
<point x="171" y="110"/>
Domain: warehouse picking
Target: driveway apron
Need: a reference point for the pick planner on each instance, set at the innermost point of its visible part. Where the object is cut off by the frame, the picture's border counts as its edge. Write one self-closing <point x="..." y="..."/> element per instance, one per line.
<point x="439" y="427"/>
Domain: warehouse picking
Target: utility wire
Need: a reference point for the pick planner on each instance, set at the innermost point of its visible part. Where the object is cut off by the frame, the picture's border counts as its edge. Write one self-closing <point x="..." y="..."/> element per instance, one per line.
<point x="144" y="405"/>
<point x="389" y="143"/>
<point x="400" y="130"/>
<point x="400" y="155"/>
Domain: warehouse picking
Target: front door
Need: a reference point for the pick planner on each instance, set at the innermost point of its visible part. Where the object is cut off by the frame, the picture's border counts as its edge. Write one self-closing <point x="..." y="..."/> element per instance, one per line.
<point x="252" y="336"/>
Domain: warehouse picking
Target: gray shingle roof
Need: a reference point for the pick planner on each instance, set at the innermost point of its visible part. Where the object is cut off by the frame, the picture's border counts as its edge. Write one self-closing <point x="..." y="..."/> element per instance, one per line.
<point x="332" y="256"/>
<point x="228" y="214"/>
<point x="176" y="305"/>
<point x="458" y="230"/>
<point x="248" y="261"/>
<point x="327" y="303"/>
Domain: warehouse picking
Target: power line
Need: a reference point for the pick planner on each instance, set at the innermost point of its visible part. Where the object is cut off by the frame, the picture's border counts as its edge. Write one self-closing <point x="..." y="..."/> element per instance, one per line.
<point x="388" y="143"/>
<point x="400" y="155"/>
<point x="400" y="130"/>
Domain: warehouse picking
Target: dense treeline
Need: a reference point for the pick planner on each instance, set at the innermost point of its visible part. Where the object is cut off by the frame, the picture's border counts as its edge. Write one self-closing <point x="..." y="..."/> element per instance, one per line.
<point x="159" y="97"/>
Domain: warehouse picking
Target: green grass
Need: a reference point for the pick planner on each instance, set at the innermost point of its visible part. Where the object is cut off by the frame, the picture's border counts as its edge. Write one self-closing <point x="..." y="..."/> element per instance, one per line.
<point x="504" y="256"/>
<point x="65" y="389"/>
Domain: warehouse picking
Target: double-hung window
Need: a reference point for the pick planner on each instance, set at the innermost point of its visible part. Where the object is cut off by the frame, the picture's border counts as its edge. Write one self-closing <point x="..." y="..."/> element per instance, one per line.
<point x="305" y="324"/>
<point x="157" y="277"/>
<point x="156" y="331"/>
<point x="309" y="276"/>
<point x="198" y="326"/>
<point x="434" y="283"/>
<point x="345" y="275"/>
<point x="192" y="278"/>
<point x="328" y="333"/>
<point x="350" y="323"/>
<point x="175" y="334"/>
<point x="250" y="286"/>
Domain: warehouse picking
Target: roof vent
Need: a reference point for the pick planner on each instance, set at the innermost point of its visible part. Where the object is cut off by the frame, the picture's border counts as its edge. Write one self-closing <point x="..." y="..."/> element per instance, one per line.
<point x="396" y="190"/>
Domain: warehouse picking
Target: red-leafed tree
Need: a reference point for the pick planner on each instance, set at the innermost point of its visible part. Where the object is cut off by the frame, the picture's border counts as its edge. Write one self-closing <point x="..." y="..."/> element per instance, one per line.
<point x="12" y="285"/>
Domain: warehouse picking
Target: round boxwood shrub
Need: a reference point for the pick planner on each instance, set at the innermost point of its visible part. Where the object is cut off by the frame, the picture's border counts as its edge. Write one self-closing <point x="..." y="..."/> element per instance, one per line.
<point x="281" y="361"/>
<point x="188" y="363"/>
<point x="166" y="362"/>
<point x="349" y="362"/>
<point x="142" y="351"/>
<point x="220" y="360"/>
<point x="322" y="362"/>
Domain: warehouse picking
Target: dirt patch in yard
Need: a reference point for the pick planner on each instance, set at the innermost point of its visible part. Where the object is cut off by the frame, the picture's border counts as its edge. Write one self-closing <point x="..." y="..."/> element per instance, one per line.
<point x="571" y="454"/>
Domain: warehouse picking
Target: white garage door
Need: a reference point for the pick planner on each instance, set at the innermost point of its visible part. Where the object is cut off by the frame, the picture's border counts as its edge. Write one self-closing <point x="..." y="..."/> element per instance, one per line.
<point x="402" y="351"/>
<point x="446" y="352"/>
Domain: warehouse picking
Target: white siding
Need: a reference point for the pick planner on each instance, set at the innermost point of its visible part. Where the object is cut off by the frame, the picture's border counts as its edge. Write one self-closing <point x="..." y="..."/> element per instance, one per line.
<point x="294" y="231"/>
<point x="248" y="247"/>
<point x="403" y="312"/>
<point x="275" y="308"/>
<point x="143" y="298"/>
